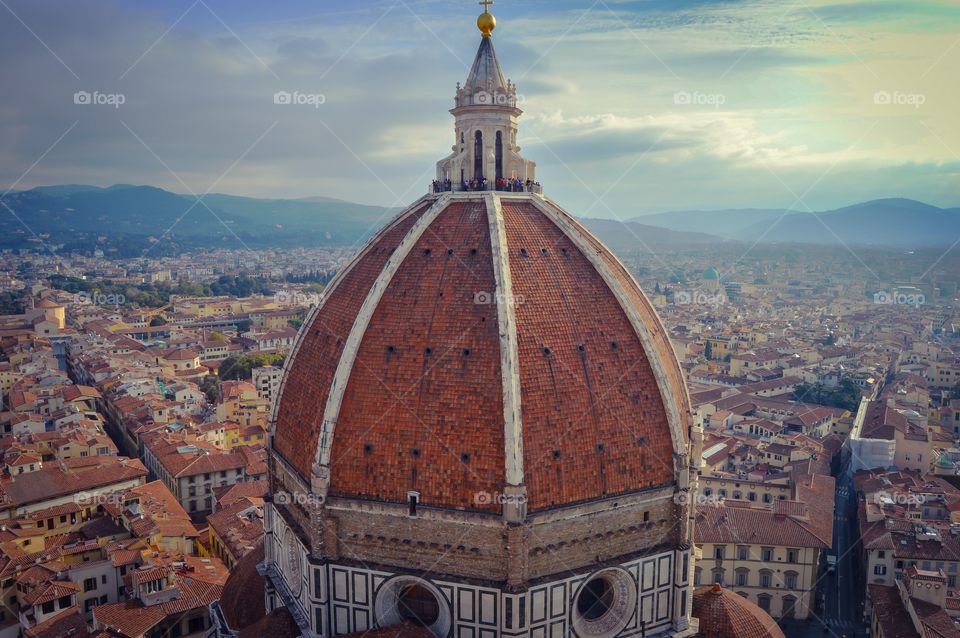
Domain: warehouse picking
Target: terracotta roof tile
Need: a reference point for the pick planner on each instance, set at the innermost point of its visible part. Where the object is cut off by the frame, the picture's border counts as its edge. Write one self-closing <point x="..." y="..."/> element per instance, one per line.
<point x="724" y="614"/>
<point x="322" y="341"/>
<point x="242" y="601"/>
<point x="423" y="406"/>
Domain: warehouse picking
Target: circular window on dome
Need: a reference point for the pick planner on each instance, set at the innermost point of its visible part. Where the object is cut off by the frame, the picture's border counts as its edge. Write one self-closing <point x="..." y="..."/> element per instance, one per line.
<point x="412" y="600"/>
<point x="418" y="605"/>
<point x="604" y="604"/>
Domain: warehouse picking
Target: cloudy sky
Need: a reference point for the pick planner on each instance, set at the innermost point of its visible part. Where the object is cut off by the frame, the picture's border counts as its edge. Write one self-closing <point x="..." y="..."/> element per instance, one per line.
<point x="630" y="106"/>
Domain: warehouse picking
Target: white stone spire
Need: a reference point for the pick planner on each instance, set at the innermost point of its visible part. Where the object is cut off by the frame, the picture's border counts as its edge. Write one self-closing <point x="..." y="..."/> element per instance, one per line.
<point x="486" y="115"/>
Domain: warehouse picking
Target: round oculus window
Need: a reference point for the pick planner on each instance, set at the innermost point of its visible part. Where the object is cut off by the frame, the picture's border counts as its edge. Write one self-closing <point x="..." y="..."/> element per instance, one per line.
<point x="408" y="599"/>
<point x="604" y="604"/>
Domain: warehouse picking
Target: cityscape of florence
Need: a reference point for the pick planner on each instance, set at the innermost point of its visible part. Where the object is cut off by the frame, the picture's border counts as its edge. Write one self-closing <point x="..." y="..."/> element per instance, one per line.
<point x="653" y="330"/>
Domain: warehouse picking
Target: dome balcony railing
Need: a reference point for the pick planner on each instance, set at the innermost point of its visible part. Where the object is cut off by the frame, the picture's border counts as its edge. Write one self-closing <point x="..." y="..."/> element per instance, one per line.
<point x="504" y="186"/>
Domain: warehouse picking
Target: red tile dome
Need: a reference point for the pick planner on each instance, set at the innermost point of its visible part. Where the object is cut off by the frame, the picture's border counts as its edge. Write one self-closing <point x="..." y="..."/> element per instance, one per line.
<point x="479" y="342"/>
<point x="725" y="614"/>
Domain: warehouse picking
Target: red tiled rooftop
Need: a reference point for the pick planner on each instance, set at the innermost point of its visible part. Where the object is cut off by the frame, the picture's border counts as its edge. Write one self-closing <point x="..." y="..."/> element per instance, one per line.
<point x="242" y="601"/>
<point x="724" y="614"/>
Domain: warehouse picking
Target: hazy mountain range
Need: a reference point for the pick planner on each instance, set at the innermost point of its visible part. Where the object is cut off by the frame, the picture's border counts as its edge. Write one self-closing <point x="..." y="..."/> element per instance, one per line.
<point x="130" y="218"/>
<point x="125" y="219"/>
<point x="899" y="223"/>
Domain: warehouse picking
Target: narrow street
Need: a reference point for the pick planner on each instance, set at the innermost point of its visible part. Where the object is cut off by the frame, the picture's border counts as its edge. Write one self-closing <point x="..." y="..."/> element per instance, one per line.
<point x="840" y="601"/>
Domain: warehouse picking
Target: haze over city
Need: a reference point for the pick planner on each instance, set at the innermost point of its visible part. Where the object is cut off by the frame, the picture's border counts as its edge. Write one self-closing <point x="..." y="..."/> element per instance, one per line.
<point x="443" y="319"/>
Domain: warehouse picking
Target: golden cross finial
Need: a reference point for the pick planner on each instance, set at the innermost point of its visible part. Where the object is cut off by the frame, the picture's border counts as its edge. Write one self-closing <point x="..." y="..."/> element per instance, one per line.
<point x="486" y="22"/>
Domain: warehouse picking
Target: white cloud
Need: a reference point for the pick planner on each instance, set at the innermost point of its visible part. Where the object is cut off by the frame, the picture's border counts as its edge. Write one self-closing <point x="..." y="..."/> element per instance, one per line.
<point x="797" y="89"/>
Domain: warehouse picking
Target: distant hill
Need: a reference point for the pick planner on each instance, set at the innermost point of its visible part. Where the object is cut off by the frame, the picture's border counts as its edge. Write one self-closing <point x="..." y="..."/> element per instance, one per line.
<point x="73" y="214"/>
<point x="728" y="223"/>
<point x="621" y="237"/>
<point x="901" y="223"/>
<point x="125" y="220"/>
<point x="896" y="223"/>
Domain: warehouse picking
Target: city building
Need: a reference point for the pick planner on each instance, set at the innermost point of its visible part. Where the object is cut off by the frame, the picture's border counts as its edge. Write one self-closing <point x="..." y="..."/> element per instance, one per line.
<point x="192" y="470"/>
<point x="266" y="379"/>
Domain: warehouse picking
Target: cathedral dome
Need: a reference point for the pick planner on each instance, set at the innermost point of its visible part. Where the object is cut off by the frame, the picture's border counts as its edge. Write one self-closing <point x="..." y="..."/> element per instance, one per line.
<point x="724" y="614"/>
<point x="478" y="343"/>
<point x="482" y="429"/>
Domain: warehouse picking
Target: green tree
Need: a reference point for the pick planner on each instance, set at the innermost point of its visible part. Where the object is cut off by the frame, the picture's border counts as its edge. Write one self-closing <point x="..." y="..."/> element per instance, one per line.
<point x="11" y="303"/>
<point x="708" y="350"/>
<point x="210" y="387"/>
<point x="240" y="367"/>
<point x="845" y="396"/>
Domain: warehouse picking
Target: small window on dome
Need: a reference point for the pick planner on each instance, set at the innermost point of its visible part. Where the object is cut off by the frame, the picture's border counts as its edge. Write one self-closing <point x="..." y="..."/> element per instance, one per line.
<point x="413" y="499"/>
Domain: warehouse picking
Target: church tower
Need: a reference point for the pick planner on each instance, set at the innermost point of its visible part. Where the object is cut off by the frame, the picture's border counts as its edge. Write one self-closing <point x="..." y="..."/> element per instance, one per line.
<point x="483" y="430"/>
<point x="486" y="115"/>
